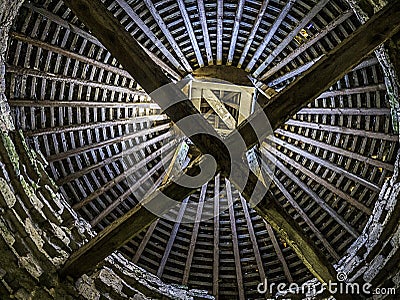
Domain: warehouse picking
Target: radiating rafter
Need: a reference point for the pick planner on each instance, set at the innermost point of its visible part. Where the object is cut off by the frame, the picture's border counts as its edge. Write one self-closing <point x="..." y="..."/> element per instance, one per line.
<point x="312" y="194"/>
<point x="69" y="54"/>
<point x="204" y="27"/>
<point x="344" y="130"/>
<point x="172" y="237"/>
<point x="73" y="80"/>
<point x="93" y="125"/>
<point x="78" y="127"/>
<point x="235" y="31"/>
<point x="195" y="233"/>
<point x="147" y="31"/>
<point x="190" y="31"/>
<point x="355" y="90"/>
<point x="235" y="242"/>
<point x="271" y="33"/>
<point x="253" y="239"/>
<point x="326" y="164"/>
<point x="293" y="73"/>
<point x="145" y="240"/>
<point x="97" y="145"/>
<point x="220" y="29"/>
<point x="303" y="47"/>
<point x="216" y="236"/>
<point x="168" y="34"/>
<point x="279" y="253"/>
<point x="253" y="32"/>
<point x="310" y="15"/>
<point x="345" y="111"/>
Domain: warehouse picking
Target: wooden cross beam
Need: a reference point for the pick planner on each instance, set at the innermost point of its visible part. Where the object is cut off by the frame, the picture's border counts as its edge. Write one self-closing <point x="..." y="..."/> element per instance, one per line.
<point x="137" y="63"/>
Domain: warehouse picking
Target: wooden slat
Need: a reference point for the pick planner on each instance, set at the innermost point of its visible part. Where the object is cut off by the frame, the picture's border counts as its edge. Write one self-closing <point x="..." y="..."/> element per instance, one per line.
<point x="253" y="32"/>
<point x="190" y="31"/>
<point x="206" y="37"/>
<point x="172" y="237"/>
<point x="216" y="237"/>
<point x="235" y="242"/>
<point x="144" y="241"/>
<point x="168" y="35"/>
<point x="195" y="232"/>
<point x="235" y="31"/>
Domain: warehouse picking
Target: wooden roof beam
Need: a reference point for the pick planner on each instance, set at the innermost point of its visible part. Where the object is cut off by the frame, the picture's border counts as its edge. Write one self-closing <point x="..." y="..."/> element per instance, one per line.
<point x="235" y="241"/>
<point x="190" y="31"/>
<point x="204" y="26"/>
<point x="220" y="26"/>
<point x="195" y="233"/>
<point x="235" y="31"/>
